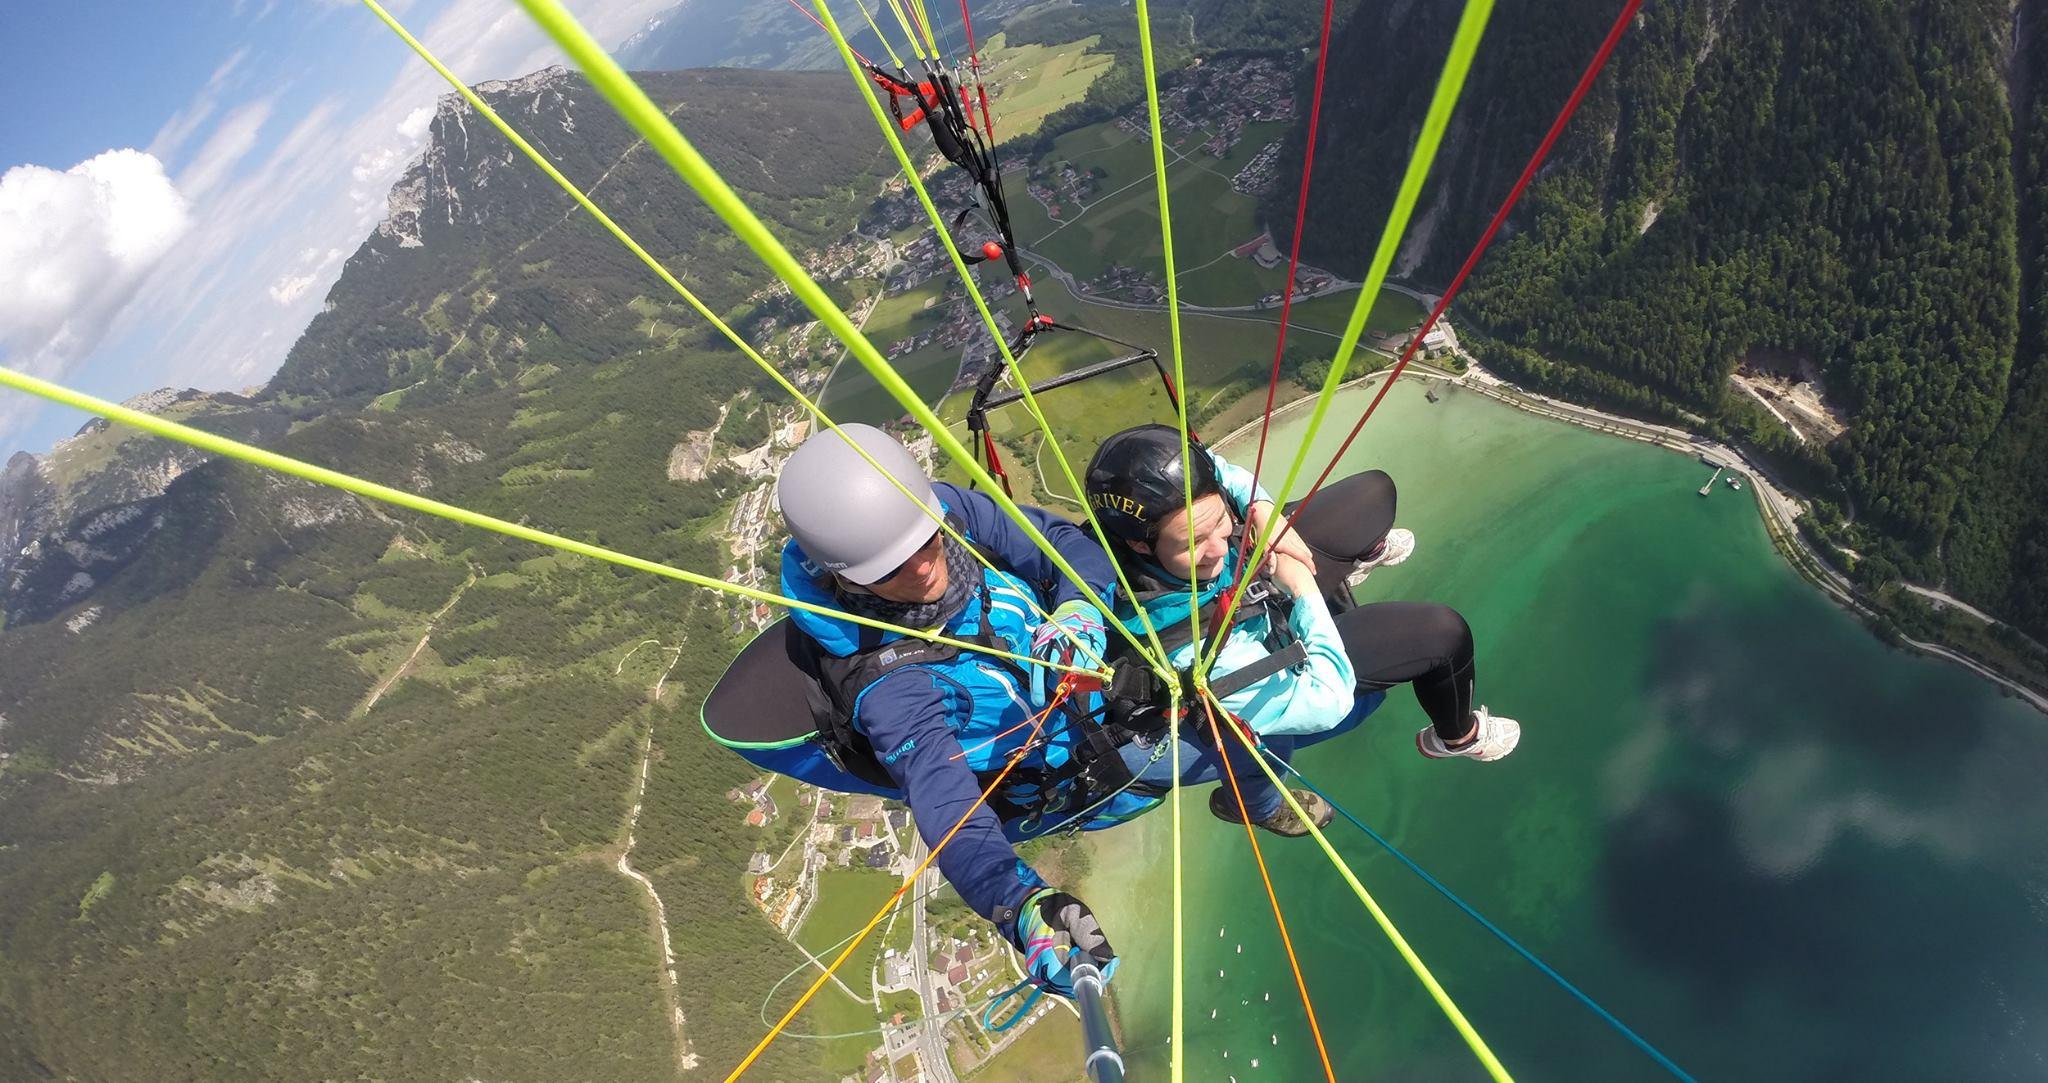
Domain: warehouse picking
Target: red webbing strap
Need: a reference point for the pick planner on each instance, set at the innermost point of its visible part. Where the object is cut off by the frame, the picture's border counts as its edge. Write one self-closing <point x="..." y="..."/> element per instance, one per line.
<point x="1564" y="116"/>
<point x="995" y="463"/>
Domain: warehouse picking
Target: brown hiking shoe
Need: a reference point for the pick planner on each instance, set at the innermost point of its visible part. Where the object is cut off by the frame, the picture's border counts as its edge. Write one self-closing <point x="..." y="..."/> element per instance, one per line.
<point x="1223" y="805"/>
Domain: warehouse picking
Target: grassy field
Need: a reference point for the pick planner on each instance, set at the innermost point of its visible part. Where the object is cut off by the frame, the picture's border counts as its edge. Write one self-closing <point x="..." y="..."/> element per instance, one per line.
<point x="839" y="1029"/>
<point x="1217" y="351"/>
<point x="1391" y="312"/>
<point x="853" y="396"/>
<point x="912" y="312"/>
<point x="1028" y="83"/>
<point x="1121" y="225"/>
<point x="1048" y="1052"/>
<point x="847" y="898"/>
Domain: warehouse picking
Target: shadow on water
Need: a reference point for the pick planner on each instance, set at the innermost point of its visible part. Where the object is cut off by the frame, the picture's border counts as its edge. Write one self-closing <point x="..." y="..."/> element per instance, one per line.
<point x="1748" y="679"/>
<point x="1821" y="988"/>
<point x="1843" y="867"/>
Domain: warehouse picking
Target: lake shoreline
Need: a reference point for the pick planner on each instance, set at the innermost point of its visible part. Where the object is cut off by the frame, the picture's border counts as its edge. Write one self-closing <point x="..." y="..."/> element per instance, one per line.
<point x="1776" y="504"/>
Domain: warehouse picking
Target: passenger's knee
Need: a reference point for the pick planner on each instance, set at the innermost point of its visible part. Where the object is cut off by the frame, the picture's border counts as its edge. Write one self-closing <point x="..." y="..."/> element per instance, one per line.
<point x="1351" y="517"/>
<point x="1447" y="626"/>
<point x="1374" y="487"/>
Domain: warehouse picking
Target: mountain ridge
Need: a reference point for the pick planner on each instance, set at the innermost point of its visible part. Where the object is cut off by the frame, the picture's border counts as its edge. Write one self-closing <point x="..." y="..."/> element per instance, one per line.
<point x="196" y="765"/>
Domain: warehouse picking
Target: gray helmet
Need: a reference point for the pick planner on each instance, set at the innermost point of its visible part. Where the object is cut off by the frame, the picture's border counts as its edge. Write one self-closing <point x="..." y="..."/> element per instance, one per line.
<point x="844" y="514"/>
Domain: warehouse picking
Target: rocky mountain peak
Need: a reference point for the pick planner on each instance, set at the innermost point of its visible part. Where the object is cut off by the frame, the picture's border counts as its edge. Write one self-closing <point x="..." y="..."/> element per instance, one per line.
<point x="440" y="185"/>
<point x="25" y="493"/>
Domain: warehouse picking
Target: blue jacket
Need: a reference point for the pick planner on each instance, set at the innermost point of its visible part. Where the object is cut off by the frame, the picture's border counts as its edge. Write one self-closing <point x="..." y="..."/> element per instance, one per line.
<point x="933" y="725"/>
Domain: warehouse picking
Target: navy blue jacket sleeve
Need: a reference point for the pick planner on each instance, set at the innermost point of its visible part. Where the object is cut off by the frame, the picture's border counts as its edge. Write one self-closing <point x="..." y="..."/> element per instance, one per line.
<point x="987" y="524"/>
<point x="905" y="718"/>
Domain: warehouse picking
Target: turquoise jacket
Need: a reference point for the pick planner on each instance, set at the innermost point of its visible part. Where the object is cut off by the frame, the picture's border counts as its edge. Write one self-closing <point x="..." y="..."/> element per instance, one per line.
<point x="1310" y="697"/>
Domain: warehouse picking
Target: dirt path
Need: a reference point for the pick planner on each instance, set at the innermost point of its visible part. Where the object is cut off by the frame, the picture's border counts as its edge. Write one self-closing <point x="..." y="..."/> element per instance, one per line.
<point x="670" y="991"/>
<point x="405" y="667"/>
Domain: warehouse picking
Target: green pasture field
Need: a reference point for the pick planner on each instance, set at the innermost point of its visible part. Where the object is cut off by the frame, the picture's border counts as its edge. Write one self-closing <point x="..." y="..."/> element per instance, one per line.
<point x="1121" y="225"/>
<point x="1028" y="83"/>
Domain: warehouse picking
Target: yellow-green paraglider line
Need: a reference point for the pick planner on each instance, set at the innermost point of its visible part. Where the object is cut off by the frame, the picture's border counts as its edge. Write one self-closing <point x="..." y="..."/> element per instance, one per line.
<point x="1471" y="28"/>
<point x="644" y="116"/>
<point x="1030" y="401"/>
<point x="298" y="468"/>
<point x="1443" y="999"/>
<point x="1176" y="714"/>
<point x="879" y="36"/>
<point x="583" y="200"/>
<point x="916" y="46"/>
<point x="924" y="22"/>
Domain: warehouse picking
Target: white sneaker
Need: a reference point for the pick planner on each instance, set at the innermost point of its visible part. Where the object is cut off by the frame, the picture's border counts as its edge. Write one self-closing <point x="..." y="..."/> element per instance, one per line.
<point x="1398" y="546"/>
<point x="1496" y="738"/>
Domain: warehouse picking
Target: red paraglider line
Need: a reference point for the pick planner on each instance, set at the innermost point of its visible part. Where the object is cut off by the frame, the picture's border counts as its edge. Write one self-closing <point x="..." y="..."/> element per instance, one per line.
<point x="974" y="64"/>
<point x="1308" y="164"/>
<point x="995" y="462"/>
<point x="865" y="62"/>
<point x="1564" y="116"/>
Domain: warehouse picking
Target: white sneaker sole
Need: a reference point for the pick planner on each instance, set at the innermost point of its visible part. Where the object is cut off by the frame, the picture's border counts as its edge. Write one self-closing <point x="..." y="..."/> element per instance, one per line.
<point x="1398" y="547"/>
<point x="1505" y="737"/>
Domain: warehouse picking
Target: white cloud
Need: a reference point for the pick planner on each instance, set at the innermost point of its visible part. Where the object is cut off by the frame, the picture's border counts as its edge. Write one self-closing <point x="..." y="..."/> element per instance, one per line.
<point x="378" y="164"/>
<point x="290" y="288"/>
<point x="184" y="122"/>
<point x="313" y="267"/>
<point x="255" y="213"/>
<point x="74" y="246"/>
<point x="414" y="126"/>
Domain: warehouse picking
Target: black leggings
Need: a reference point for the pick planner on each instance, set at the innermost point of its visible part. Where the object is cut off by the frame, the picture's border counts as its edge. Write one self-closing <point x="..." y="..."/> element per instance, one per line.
<point x="1423" y="644"/>
<point x="1418" y="643"/>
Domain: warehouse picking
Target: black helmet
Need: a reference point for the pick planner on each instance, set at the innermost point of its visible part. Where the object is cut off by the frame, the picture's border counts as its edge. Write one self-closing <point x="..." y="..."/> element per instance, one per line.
<point x="1134" y="482"/>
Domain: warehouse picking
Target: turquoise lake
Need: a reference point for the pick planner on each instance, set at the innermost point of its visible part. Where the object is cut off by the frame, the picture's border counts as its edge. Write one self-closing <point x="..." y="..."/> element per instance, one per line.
<point x="1776" y="848"/>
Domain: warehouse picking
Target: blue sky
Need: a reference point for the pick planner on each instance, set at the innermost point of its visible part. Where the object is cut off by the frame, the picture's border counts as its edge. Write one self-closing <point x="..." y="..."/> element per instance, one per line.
<point x="180" y="183"/>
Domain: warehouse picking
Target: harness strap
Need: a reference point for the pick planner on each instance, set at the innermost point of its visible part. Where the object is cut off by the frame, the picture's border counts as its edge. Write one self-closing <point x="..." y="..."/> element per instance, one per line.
<point x="1260" y="598"/>
<point x="1028" y="790"/>
<point x="1244" y="677"/>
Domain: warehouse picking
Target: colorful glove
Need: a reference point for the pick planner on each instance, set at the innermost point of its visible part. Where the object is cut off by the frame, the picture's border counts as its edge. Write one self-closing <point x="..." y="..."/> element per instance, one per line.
<point x="1047" y="916"/>
<point x="1054" y="642"/>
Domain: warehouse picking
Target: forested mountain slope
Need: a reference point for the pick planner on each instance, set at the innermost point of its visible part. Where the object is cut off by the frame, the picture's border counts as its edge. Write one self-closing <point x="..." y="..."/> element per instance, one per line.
<point x="1847" y="190"/>
<point x="484" y="260"/>
<point x="1999" y="548"/>
<point x="748" y="34"/>
<point x="304" y="787"/>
